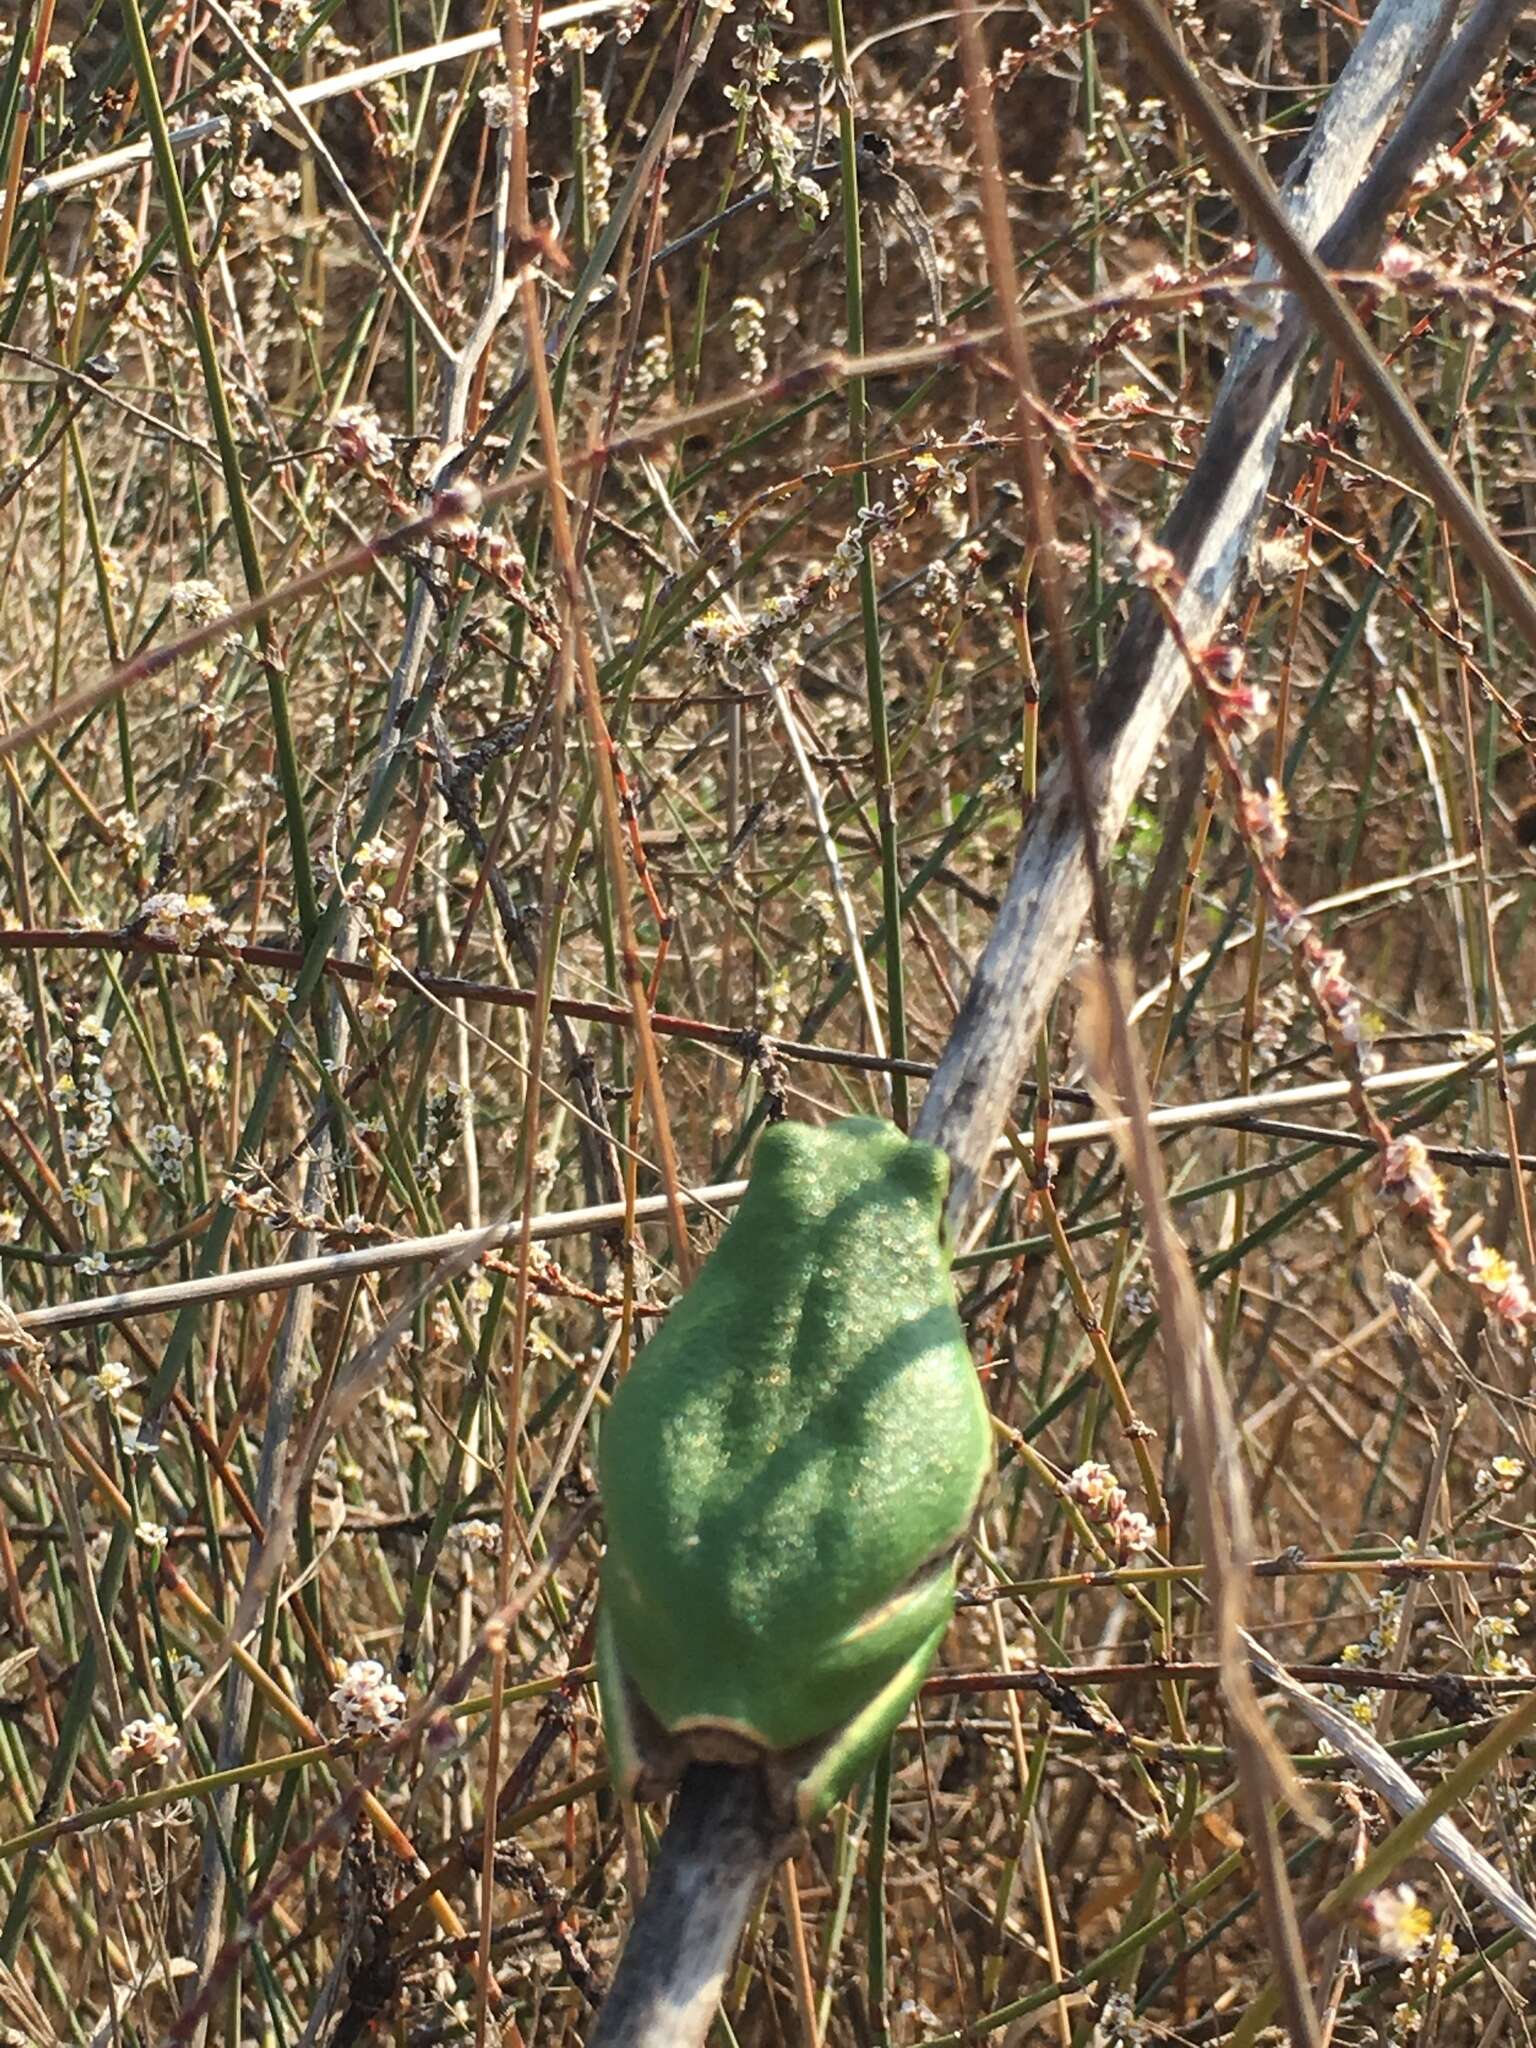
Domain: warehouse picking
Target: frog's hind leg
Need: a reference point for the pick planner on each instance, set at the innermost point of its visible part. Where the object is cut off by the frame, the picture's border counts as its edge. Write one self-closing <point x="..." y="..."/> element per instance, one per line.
<point x="645" y="1761"/>
<point x="841" y="1758"/>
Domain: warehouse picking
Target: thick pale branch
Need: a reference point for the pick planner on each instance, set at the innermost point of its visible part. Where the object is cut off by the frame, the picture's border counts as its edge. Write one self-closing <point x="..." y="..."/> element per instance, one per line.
<point x="1209" y="533"/>
<point x="720" y="1845"/>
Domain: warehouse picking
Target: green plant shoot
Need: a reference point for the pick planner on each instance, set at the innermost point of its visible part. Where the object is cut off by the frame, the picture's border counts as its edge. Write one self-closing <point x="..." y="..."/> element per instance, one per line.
<point x="787" y="1473"/>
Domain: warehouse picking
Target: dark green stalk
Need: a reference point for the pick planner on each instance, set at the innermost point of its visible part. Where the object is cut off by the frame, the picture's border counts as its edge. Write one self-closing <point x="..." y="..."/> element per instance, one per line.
<point x="869" y="598"/>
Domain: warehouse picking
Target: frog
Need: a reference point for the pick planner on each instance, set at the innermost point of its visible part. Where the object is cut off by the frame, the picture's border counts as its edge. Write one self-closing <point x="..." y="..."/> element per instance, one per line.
<point x="788" y="1472"/>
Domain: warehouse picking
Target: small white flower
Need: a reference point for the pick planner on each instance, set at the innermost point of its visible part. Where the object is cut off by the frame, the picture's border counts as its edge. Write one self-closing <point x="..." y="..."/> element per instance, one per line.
<point x="209" y="1062"/>
<point x="1401" y="1926"/>
<point x="167" y="1146"/>
<point x="1118" y="2026"/>
<point x="1399" y="263"/>
<point x="169" y="914"/>
<point x="143" y="1745"/>
<point x="1130" y="1533"/>
<point x="197" y="602"/>
<point x="367" y="1701"/>
<point x="1094" y="1488"/>
<point x="498" y="104"/>
<point x="112" y="1382"/>
<point x="749" y="327"/>
<point x="359" y="439"/>
<point x="1499" y="1475"/>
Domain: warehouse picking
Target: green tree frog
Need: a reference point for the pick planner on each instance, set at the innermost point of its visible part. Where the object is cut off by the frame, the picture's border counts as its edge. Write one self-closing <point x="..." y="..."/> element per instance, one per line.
<point x="787" y="1472"/>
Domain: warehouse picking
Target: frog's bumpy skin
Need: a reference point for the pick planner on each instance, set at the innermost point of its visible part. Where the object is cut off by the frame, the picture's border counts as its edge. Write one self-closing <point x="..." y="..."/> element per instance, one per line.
<point x="790" y="1463"/>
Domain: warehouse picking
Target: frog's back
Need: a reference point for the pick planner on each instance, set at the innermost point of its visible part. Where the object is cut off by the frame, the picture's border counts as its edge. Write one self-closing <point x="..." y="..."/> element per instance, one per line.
<point x="803" y="1438"/>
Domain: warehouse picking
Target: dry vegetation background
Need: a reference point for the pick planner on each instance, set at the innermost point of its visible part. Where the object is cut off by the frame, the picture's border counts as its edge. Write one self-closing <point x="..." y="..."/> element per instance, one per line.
<point x="819" y="682"/>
